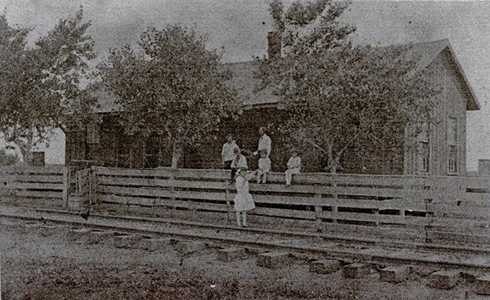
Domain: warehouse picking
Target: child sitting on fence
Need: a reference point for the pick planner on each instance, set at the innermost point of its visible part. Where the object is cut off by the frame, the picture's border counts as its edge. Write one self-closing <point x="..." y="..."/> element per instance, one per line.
<point x="264" y="167"/>
<point x="243" y="200"/>
<point x="294" y="166"/>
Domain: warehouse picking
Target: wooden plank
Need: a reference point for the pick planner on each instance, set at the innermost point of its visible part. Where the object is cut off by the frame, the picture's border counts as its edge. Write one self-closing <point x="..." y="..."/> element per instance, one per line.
<point x="38" y="186"/>
<point x="222" y="175"/>
<point x="66" y="186"/>
<point x="158" y="172"/>
<point x="114" y="199"/>
<point x="202" y="195"/>
<point x="126" y="181"/>
<point x="468" y="199"/>
<point x="48" y="169"/>
<point x="38" y="194"/>
<point x="197" y="174"/>
<point x="395" y="204"/>
<point x="29" y="170"/>
<point x="361" y="217"/>
<point x="455" y="211"/>
<point x="192" y="184"/>
<point x="284" y="213"/>
<point x="195" y="206"/>
<point x="350" y="191"/>
<point x="40" y="178"/>
<point x="328" y="179"/>
<point x="291" y="200"/>
<point x="164" y="194"/>
<point x="148" y="202"/>
<point x="132" y="191"/>
<point x="450" y="223"/>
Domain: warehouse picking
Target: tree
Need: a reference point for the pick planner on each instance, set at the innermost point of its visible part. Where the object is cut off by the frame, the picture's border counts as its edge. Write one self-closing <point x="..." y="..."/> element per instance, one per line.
<point x="171" y="85"/>
<point x="339" y="97"/>
<point x="7" y="158"/>
<point x="42" y="84"/>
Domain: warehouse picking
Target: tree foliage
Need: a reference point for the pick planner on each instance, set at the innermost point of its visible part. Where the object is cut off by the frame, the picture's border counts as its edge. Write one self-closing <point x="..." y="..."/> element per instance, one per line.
<point x="171" y="85"/>
<point x="339" y="97"/>
<point x="7" y="158"/>
<point x="42" y="84"/>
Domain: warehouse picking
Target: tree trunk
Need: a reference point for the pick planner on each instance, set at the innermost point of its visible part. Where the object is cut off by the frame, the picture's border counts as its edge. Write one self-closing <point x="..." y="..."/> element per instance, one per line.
<point x="25" y="148"/>
<point x="331" y="161"/>
<point x="176" y="154"/>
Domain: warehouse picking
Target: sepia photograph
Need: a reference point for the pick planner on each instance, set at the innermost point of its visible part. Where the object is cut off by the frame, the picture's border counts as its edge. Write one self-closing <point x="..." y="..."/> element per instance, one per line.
<point x="244" y="149"/>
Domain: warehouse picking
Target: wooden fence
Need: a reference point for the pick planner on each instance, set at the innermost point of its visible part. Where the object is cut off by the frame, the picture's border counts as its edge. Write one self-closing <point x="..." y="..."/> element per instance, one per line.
<point x="455" y="205"/>
<point x="317" y="198"/>
<point x="36" y="184"/>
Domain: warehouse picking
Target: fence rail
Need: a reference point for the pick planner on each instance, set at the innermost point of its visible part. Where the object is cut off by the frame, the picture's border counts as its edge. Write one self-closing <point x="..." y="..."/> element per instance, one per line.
<point x="33" y="183"/>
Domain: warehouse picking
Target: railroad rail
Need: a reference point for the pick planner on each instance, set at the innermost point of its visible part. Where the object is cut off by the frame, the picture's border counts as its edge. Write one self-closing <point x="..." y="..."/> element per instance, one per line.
<point x="376" y="251"/>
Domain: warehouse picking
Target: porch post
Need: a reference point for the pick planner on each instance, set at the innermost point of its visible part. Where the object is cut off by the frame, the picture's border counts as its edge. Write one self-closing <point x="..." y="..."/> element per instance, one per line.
<point x="66" y="185"/>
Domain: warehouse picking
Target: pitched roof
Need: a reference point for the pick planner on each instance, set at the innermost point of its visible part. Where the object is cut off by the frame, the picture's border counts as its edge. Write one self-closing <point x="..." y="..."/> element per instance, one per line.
<point x="426" y="52"/>
<point x="106" y="101"/>
<point x="245" y="83"/>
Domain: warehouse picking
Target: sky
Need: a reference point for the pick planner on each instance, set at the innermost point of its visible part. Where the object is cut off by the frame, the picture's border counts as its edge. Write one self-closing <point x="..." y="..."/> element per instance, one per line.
<point x="240" y="28"/>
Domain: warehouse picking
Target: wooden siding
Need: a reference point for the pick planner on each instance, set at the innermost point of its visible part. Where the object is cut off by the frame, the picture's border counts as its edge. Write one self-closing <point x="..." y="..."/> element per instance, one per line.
<point x="450" y="103"/>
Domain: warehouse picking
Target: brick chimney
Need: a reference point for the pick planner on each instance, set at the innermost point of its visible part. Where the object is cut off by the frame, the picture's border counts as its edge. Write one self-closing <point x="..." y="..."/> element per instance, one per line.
<point x="274" y="44"/>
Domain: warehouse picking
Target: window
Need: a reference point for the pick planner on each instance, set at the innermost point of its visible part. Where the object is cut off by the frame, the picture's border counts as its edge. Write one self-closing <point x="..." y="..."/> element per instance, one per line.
<point x="77" y="145"/>
<point x="93" y="133"/>
<point x="152" y="151"/>
<point x="452" y="142"/>
<point x="123" y="151"/>
<point x="423" y="149"/>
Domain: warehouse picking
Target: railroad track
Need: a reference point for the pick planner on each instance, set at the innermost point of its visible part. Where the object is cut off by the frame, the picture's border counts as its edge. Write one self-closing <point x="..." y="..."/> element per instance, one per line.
<point x="338" y="247"/>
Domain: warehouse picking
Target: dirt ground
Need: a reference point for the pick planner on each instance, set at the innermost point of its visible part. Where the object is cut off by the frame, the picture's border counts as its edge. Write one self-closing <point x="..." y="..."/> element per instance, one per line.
<point x="45" y="264"/>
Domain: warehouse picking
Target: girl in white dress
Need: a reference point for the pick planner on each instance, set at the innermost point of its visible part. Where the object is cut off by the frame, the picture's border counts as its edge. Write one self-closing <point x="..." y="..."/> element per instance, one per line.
<point x="243" y="201"/>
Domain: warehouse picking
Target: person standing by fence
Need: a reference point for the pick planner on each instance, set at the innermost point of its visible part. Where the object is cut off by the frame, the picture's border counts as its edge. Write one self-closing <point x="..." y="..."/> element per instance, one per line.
<point x="265" y="142"/>
<point x="243" y="200"/>
<point x="227" y="154"/>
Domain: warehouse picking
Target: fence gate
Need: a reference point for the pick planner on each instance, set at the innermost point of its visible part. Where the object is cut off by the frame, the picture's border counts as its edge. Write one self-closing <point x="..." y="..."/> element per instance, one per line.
<point x="79" y="184"/>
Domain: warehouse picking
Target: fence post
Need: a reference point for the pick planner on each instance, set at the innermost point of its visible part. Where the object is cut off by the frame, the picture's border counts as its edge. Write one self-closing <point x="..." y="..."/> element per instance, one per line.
<point x="157" y="198"/>
<point x="66" y="185"/>
<point x="318" y="214"/>
<point x="372" y="184"/>
<point x="407" y="194"/>
<point x="93" y="186"/>
<point x="334" y="207"/>
<point x="227" y="198"/>
<point x="172" y="192"/>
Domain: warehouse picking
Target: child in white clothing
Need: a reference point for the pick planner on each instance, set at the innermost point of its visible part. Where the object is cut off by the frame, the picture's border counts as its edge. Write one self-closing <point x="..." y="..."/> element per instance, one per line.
<point x="294" y="167"/>
<point x="264" y="167"/>
<point x="243" y="200"/>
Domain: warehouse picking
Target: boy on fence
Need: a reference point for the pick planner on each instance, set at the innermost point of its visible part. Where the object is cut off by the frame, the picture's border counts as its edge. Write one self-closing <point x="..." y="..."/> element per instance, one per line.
<point x="294" y="167"/>
<point x="227" y="154"/>
<point x="264" y="167"/>
<point x="243" y="200"/>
